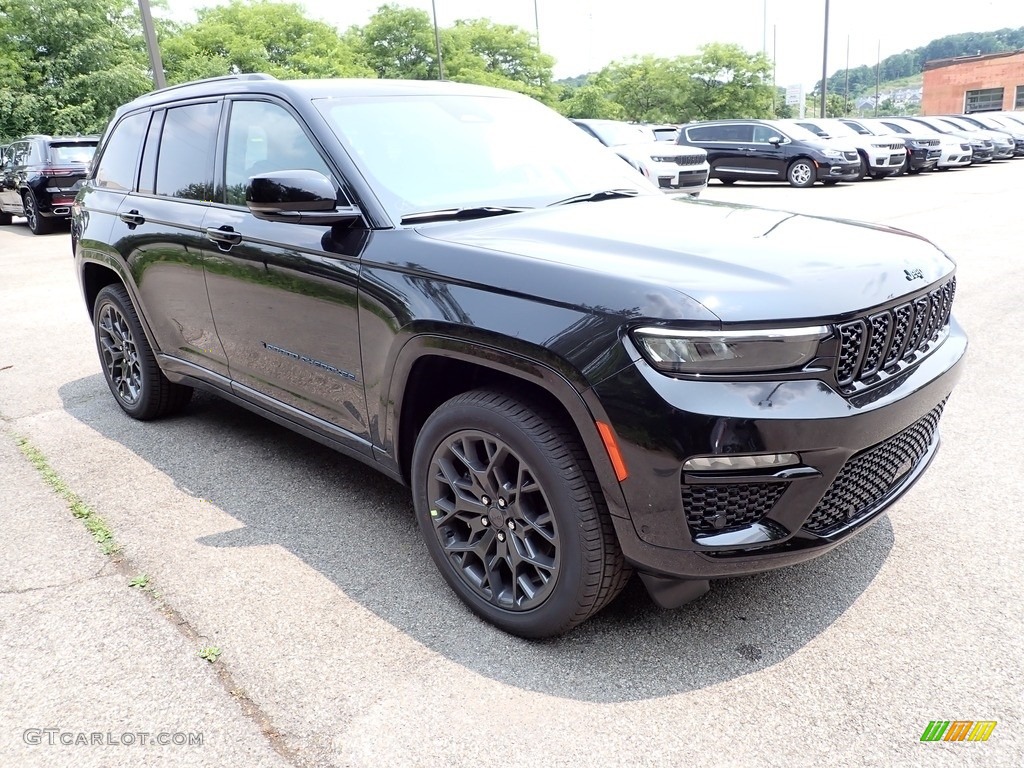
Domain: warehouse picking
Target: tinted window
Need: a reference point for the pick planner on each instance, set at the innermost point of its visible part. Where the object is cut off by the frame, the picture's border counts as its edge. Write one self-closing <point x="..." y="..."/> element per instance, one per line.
<point x="263" y="138"/>
<point x="20" y="153"/>
<point x="116" y="169"/>
<point x="147" y="176"/>
<point x="79" y="152"/>
<point x="185" y="165"/>
<point x="708" y="132"/>
<point x="764" y="132"/>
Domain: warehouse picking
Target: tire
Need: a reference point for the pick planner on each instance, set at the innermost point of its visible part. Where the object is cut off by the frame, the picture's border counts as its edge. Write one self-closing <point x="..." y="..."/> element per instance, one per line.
<point x="830" y="182"/>
<point x="728" y="182"/>
<point x="905" y="168"/>
<point x="801" y="173"/>
<point x="5" y="219"/>
<point x="914" y="171"/>
<point x="129" y="365"/>
<point x="863" y="168"/>
<point x="37" y="223"/>
<point x="534" y="563"/>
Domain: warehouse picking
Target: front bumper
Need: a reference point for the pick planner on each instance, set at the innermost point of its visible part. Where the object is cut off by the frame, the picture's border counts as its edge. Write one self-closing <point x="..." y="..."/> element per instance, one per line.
<point x="837" y="171"/>
<point x="685" y="179"/>
<point x="772" y="518"/>
<point x="1004" y="152"/>
<point x="923" y="159"/>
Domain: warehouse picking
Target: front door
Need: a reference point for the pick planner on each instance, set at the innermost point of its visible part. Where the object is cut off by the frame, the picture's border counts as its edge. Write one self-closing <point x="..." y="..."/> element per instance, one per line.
<point x="284" y="295"/>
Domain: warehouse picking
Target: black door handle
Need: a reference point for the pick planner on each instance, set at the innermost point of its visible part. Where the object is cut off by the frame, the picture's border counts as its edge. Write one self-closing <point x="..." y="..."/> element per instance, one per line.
<point x="132" y="218"/>
<point x="224" y="235"/>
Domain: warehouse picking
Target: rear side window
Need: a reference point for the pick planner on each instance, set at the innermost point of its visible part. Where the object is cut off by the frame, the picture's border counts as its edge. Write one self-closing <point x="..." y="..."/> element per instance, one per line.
<point x="185" y="164"/>
<point x="721" y="133"/>
<point x="116" y="169"/>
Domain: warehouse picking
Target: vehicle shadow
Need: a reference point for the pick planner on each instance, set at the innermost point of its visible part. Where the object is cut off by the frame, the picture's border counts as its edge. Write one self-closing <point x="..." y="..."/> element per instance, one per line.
<point x="356" y="527"/>
<point x="19" y="228"/>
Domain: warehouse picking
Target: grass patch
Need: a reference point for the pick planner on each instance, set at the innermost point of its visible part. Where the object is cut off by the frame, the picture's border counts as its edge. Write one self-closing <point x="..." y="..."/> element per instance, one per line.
<point x="93" y="523"/>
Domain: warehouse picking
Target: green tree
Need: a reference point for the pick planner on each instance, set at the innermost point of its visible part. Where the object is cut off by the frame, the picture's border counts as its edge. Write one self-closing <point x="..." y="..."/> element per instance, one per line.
<point x="590" y="101"/>
<point x="729" y="82"/>
<point x="500" y="55"/>
<point x="67" y="65"/>
<point x="397" y="43"/>
<point x="647" y="88"/>
<point x="262" y="36"/>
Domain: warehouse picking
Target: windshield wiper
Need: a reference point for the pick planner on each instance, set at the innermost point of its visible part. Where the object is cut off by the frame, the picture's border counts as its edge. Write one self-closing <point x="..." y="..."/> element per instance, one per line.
<point x="459" y="214"/>
<point x="601" y="194"/>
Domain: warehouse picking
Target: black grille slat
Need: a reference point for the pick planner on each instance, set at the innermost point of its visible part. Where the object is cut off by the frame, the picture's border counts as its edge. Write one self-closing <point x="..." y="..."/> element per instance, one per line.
<point x="870" y="475"/>
<point x="879" y="327"/>
<point x="901" y="326"/>
<point x="689" y="159"/>
<point x="851" y="343"/>
<point x="719" y="508"/>
<point x="922" y="308"/>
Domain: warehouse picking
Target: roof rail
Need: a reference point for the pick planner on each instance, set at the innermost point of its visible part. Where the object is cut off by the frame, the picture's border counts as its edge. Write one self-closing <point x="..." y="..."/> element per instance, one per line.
<point x="244" y="76"/>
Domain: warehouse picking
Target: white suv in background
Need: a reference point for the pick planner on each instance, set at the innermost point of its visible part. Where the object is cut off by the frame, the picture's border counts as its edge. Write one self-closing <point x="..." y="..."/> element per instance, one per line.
<point x="956" y="152"/>
<point x="880" y="156"/>
<point x="671" y="167"/>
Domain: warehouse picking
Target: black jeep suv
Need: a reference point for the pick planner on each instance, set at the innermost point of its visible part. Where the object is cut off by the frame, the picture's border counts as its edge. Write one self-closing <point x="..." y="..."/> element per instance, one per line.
<point x="577" y="376"/>
<point x="40" y="176"/>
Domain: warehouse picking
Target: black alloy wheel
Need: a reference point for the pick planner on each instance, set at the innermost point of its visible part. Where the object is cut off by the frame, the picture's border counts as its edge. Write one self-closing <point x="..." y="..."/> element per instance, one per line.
<point x="37" y="223"/>
<point x="512" y="515"/>
<point x="129" y="366"/>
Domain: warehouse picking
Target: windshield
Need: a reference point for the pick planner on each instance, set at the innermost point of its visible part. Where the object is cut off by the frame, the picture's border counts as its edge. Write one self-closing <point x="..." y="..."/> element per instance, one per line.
<point x="838" y="130"/>
<point x="797" y="132"/>
<point x="431" y="152"/>
<point x="958" y="125"/>
<point x="615" y="134"/>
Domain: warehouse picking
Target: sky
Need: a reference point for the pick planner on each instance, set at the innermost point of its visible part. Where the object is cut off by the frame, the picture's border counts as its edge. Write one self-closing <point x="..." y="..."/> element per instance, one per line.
<point x="584" y="35"/>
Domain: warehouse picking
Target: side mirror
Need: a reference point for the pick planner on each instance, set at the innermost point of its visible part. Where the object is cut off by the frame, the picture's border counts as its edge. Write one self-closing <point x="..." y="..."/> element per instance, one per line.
<point x="297" y="196"/>
<point x="775" y="140"/>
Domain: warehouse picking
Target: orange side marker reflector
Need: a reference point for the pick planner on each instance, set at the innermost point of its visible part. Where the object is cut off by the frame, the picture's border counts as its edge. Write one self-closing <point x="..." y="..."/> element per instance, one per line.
<point x="613" y="450"/>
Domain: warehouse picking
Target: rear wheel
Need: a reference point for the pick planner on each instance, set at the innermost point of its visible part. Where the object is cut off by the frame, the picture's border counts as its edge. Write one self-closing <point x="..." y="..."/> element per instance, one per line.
<point x="37" y="223"/>
<point x="5" y="219"/>
<point x="129" y="365"/>
<point x="512" y="514"/>
<point x="801" y="173"/>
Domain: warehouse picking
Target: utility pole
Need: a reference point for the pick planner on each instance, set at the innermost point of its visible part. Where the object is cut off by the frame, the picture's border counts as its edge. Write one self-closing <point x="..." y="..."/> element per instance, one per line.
<point x="764" y="29"/>
<point x="824" y="64"/>
<point x="846" y="98"/>
<point x="155" y="62"/>
<point x="536" y="23"/>
<point x="878" y="71"/>
<point x="437" y="42"/>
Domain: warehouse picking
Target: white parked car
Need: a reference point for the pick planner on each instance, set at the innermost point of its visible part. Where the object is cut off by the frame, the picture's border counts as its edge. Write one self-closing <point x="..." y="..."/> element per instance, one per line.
<point x="880" y="156"/>
<point x="956" y="153"/>
<point x="671" y="167"/>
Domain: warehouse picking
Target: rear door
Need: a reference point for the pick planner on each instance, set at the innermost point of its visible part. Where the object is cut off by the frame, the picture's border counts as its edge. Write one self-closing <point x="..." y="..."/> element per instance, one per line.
<point x="13" y="172"/>
<point x="728" y="147"/>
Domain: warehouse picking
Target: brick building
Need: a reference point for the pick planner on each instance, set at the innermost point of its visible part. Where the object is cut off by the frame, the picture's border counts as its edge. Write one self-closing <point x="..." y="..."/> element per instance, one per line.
<point x="974" y="83"/>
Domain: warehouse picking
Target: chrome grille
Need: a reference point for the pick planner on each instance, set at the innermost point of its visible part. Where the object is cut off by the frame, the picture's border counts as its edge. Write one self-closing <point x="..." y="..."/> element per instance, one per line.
<point x="876" y="345"/>
<point x="689" y="159"/>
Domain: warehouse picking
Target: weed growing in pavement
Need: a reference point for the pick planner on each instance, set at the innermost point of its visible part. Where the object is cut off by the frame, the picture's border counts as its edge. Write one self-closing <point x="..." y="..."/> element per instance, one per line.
<point x="140" y="582"/>
<point x="211" y="653"/>
<point x="93" y="523"/>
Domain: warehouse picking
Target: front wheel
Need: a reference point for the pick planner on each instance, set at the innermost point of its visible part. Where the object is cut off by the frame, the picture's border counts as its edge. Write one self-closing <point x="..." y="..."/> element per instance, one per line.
<point x="37" y="223"/>
<point x="801" y="173"/>
<point x="512" y="515"/>
<point x="129" y="365"/>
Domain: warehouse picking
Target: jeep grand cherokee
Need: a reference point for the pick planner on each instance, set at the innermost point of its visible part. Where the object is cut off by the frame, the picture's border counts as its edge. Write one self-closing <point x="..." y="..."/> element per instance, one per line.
<point x="577" y="376"/>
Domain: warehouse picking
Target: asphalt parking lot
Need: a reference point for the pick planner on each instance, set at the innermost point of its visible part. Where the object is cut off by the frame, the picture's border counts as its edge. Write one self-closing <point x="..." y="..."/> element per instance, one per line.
<point x="341" y="646"/>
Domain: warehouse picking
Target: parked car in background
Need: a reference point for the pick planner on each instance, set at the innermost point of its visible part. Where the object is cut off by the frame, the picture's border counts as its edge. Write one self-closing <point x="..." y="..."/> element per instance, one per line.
<point x="40" y="177"/>
<point x="668" y="166"/>
<point x="981" y="148"/>
<point x="1000" y="125"/>
<point x="1003" y="146"/>
<point x="880" y="156"/>
<point x="1016" y="118"/>
<point x="923" y="152"/>
<point x="954" y="152"/>
<point x="576" y="375"/>
<point x="770" y="150"/>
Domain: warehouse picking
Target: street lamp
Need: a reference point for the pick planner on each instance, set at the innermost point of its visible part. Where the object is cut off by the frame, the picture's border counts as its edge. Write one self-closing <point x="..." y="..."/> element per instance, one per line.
<point x="437" y="43"/>
<point x="824" y="64"/>
<point x="154" y="49"/>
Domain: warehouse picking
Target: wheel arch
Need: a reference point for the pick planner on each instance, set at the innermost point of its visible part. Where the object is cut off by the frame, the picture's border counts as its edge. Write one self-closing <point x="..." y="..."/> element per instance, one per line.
<point x="96" y="272"/>
<point x="431" y="369"/>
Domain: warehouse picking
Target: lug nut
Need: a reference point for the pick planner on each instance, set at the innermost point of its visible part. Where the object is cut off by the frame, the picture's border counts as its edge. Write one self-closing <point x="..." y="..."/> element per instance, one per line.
<point x="501" y="536"/>
<point x="502" y="503"/>
<point x="485" y="500"/>
<point x="484" y="521"/>
<point x="511" y="525"/>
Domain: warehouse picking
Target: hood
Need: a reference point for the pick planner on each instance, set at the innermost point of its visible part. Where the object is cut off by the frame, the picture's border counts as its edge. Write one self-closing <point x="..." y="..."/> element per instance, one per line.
<point x="741" y="263"/>
<point x="657" y="148"/>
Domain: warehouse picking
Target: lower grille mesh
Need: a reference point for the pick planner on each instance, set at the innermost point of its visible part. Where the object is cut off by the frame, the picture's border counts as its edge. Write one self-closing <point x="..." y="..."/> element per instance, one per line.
<point x="867" y="477"/>
<point x="718" y="508"/>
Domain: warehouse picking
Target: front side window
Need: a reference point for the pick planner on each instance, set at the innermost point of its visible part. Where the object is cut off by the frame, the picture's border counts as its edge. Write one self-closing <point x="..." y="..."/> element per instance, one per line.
<point x="185" y="163"/>
<point x="764" y="132"/>
<point x="116" y="168"/>
<point x="982" y="100"/>
<point x="263" y="138"/>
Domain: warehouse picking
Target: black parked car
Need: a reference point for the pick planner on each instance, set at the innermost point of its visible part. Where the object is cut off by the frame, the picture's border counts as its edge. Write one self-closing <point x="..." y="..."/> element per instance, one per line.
<point x="765" y="150"/>
<point x="577" y="375"/>
<point x="40" y="177"/>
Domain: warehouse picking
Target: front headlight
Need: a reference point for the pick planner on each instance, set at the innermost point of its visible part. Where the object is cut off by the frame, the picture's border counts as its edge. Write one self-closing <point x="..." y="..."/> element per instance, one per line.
<point x="831" y="153"/>
<point x="673" y="350"/>
<point x="657" y="159"/>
